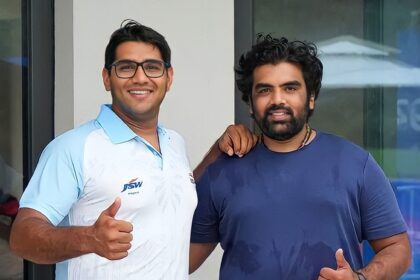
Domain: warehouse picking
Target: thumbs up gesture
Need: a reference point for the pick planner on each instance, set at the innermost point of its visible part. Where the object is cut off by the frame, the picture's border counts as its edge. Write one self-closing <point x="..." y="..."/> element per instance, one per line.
<point x="112" y="237"/>
<point x="343" y="271"/>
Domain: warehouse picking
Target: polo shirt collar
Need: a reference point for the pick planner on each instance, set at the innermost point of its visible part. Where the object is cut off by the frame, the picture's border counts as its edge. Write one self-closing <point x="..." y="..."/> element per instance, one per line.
<point x="113" y="126"/>
<point x="116" y="129"/>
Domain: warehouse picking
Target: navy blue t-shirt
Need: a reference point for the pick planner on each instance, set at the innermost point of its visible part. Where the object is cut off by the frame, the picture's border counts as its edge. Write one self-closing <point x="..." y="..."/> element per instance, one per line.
<point x="283" y="215"/>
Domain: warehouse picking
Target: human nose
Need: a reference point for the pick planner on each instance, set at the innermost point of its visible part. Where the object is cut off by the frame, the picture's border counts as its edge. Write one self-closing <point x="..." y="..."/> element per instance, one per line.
<point x="140" y="76"/>
<point x="277" y="97"/>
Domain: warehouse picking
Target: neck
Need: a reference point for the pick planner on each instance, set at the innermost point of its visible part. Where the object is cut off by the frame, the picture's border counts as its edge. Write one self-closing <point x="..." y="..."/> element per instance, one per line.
<point x="146" y="128"/>
<point x="304" y="137"/>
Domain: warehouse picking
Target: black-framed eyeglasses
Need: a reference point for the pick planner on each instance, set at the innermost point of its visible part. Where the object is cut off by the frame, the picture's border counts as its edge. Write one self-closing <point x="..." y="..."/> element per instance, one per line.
<point x="126" y="69"/>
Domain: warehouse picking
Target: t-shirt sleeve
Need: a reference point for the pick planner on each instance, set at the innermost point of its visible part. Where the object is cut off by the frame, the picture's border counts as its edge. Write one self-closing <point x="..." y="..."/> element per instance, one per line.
<point x="205" y="226"/>
<point x="55" y="184"/>
<point x="381" y="216"/>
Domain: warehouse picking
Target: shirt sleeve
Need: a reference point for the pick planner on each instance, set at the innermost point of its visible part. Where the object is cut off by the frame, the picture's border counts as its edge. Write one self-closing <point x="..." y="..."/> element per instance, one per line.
<point x="56" y="182"/>
<point x="205" y="226"/>
<point x="381" y="216"/>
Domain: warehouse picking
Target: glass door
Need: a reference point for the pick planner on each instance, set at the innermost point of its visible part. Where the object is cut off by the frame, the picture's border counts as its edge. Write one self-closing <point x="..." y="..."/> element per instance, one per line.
<point x="11" y="166"/>
<point x="26" y="114"/>
<point x="371" y="86"/>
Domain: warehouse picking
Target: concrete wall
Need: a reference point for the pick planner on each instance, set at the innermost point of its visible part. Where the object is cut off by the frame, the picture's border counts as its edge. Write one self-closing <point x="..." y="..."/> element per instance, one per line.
<point x="200" y="32"/>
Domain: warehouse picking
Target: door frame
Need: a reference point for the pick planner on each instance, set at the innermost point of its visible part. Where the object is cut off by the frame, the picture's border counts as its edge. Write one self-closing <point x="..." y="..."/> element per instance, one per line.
<point x="244" y="38"/>
<point x="37" y="98"/>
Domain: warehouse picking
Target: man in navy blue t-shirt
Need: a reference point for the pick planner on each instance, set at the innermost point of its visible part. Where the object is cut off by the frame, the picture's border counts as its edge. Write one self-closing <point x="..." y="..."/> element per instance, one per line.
<point x="301" y="202"/>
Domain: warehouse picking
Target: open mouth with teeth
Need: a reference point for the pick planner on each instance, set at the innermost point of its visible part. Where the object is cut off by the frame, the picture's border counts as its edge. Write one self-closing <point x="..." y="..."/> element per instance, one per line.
<point x="139" y="92"/>
<point x="276" y="113"/>
<point x="279" y="113"/>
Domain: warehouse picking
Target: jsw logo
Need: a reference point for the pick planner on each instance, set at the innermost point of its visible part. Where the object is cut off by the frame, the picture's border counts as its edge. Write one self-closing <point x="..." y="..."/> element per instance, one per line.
<point x="132" y="185"/>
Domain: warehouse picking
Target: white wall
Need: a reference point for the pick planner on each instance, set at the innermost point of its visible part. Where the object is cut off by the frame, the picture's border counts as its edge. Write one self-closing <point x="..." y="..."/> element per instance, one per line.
<point x="64" y="67"/>
<point x="200" y="32"/>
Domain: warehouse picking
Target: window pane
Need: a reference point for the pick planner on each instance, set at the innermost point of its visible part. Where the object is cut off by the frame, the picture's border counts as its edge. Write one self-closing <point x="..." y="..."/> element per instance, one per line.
<point x="11" y="267"/>
<point x="371" y="85"/>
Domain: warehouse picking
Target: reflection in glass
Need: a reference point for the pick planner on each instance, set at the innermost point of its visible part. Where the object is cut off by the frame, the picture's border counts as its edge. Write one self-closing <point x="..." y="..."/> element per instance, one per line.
<point x="371" y="84"/>
<point x="11" y="267"/>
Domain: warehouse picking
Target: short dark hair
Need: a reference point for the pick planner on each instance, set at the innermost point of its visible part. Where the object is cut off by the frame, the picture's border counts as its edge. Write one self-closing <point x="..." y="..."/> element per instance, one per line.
<point x="132" y="31"/>
<point x="269" y="50"/>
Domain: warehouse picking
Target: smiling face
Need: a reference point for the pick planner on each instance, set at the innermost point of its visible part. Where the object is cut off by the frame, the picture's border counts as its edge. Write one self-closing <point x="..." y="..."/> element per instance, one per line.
<point x="279" y="100"/>
<point x="138" y="98"/>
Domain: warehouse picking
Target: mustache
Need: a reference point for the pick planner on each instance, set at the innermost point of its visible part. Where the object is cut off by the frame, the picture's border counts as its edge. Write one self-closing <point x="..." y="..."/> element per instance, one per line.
<point x="278" y="107"/>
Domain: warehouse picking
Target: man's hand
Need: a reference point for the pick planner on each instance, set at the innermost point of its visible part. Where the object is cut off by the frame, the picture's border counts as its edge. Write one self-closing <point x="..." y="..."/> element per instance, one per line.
<point x="113" y="237"/>
<point x="237" y="139"/>
<point x="343" y="271"/>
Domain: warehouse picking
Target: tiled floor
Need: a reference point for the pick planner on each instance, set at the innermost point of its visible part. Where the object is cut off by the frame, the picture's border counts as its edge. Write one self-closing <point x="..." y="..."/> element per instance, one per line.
<point x="11" y="267"/>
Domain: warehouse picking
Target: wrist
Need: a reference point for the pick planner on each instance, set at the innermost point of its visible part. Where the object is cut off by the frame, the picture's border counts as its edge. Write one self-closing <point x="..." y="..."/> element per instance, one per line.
<point x="88" y="240"/>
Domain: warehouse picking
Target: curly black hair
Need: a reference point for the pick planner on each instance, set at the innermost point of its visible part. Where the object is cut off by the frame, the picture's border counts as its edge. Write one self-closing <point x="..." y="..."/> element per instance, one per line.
<point x="132" y="31"/>
<point x="269" y="50"/>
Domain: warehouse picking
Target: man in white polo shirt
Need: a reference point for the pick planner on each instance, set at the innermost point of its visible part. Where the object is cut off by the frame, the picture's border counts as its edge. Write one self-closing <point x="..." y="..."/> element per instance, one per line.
<point x="114" y="198"/>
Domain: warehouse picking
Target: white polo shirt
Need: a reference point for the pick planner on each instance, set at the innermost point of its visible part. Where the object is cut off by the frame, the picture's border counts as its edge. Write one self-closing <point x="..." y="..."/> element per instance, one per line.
<point x="81" y="172"/>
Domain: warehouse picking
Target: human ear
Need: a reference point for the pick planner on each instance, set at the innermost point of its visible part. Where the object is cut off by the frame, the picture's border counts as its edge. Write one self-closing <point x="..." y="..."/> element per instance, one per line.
<point x="312" y="101"/>
<point x="170" y="74"/>
<point x="106" y="79"/>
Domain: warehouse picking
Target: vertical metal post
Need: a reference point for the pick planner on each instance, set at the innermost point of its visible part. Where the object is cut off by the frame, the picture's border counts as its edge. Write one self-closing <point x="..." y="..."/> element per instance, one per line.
<point x="244" y="37"/>
<point x="38" y="97"/>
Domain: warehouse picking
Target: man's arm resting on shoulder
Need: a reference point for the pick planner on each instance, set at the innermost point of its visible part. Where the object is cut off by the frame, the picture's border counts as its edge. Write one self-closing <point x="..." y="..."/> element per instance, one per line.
<point x="199" y="253"/>
<point x="34" y="238"/>
<point x="236" y="140"/>
<point x="392" y="258"/>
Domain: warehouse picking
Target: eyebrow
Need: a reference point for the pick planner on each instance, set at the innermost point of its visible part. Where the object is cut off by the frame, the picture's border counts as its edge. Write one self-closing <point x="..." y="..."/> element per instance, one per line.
<point x="289" y="83"/>
<point x="292" y="83"/>
<point x="263" y="85"/>
<point x="130" y="60"/>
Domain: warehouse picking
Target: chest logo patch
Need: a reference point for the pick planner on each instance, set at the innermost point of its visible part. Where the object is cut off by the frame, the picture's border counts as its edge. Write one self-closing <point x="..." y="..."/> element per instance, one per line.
<point x="132" y="184"/>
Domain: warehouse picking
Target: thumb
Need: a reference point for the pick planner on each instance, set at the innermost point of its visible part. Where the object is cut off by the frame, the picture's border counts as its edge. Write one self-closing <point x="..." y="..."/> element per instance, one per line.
<point x="229" y="151"/>
<point x="226" y="145"/>
<point x="341" y="261"/>
<point x="113" y="208"/>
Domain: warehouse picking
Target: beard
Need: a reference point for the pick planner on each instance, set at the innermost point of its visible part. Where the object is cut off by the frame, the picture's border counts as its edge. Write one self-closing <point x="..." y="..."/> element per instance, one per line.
<point x="288" y="128"/>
